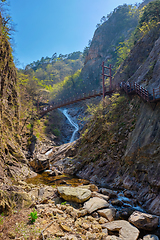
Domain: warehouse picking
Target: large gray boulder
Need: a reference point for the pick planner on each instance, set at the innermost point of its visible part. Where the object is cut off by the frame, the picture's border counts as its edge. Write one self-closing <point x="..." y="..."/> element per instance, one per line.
<point x="144" y="220"/>
<point x="74" y="194"/>
<point x="95" y="203"/>
<point x="126" y="230"/>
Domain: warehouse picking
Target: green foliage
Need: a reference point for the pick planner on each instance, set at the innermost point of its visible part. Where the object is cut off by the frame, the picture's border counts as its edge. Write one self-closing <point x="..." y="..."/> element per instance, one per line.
<point x="63" y="203"/>
<point x="149" y="18"/>
<point x="1" y="218"/>
<point x="33" y="216"/>
<point x="67" y="87"/>
<point x="151" y="12"/>
<point x="53" y="70"/>
<point x="123" y="50"/>
<point x="29" y="126"/>
<point x="56" y="132"/>
<point x="95" y="109"/>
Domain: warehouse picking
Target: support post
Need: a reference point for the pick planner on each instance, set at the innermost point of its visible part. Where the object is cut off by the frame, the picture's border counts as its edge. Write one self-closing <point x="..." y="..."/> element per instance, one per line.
<point x="110" y="76"/>
<point x="103" y="80"/>
<point x="153" y="94"/>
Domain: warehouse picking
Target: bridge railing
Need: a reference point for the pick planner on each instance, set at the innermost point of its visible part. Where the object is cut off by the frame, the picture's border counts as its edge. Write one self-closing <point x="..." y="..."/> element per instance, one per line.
<point x="141" y="91"/>
<point x="156" y="93"/>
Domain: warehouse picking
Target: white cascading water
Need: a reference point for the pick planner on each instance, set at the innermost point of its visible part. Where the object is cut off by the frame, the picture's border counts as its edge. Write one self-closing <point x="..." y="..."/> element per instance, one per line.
<point x="75" y="125"/>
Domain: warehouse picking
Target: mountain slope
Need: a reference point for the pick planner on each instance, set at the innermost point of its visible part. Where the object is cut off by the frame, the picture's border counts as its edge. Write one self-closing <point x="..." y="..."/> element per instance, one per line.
<point x="120" y="145"/>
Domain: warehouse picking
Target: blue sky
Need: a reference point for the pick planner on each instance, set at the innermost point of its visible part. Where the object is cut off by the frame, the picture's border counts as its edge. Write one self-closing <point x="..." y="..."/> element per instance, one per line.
<point x="44" y="27"/>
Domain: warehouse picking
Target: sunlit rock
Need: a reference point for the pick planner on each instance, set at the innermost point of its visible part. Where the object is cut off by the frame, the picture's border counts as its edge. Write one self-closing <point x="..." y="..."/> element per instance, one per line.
<point x="95" y="203"/>
<point x="74" y="194"/>
<point x="125" y="229"/>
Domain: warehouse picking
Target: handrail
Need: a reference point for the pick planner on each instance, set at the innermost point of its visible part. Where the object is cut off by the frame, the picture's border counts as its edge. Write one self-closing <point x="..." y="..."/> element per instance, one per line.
<point x="129" y="88"/>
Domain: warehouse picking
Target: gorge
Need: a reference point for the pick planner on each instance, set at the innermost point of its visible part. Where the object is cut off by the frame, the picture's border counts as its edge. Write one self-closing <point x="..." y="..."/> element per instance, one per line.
<point x="114" y="162"/>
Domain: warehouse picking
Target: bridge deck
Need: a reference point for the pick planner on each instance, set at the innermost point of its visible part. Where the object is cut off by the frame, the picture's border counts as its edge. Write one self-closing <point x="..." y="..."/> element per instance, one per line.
<point x="75" y="100"/>
<point x="127" y="87"/>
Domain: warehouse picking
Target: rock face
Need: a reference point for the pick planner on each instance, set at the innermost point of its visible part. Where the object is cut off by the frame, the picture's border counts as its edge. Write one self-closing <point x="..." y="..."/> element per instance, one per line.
<point x="125" y="229"/>
<point x="13" y="163"/>
<point x="144" y="221"/>
<point x="104" y="42"/>
<point x="76" y="194"/>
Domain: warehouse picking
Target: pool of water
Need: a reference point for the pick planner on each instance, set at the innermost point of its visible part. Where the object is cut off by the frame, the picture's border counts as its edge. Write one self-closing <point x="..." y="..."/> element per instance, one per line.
<point x="66" y="180"/>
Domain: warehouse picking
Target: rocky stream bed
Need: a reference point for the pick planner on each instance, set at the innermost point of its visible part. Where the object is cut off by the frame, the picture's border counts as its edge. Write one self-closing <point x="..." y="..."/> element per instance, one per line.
<point x="68" y="207"/>
<point x="81" y="212"/>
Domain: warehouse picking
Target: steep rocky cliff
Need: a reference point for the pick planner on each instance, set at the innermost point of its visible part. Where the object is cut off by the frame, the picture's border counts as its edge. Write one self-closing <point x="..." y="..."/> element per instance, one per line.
<point x="120" y="145"/>
<point x="107" y="37"/>
<point x="12" y="160"/>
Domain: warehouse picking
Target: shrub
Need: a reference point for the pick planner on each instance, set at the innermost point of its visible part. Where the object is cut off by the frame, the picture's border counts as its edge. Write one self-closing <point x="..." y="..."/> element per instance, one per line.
<point x="33" y="216"/>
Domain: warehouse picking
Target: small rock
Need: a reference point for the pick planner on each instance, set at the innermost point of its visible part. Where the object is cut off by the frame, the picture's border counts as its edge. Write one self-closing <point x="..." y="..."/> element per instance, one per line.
<point x="150" y="237"/>
<point x="94" y="204"/>
<point x="65" y="227"/>
<point x="109" y="213"/>
<point x="108" y="192"/>
<point x="128" y="194"/>
<point x="59" y="234"/>
<point x="11" y="235"/>
<point x="85" y="226"/>
<point x="95" y="214"/>
<point x="96" y="227"/>
<point x="113" y="238"/>
<point x="82" y="212"/>
<point x="144" y="221"/>
<point x="105" y="231"/>
<point x="70" y="237"/>
<point x="102" y="220"/>
<point x="59" y="211"/>
<point x="117" y="202"/>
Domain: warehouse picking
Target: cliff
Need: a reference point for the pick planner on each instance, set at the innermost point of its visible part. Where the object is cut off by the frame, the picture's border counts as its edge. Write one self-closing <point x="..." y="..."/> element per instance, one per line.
<point x="120" y="24"/>
<point x="119" y="147"/>
<point x="13" y="164"/>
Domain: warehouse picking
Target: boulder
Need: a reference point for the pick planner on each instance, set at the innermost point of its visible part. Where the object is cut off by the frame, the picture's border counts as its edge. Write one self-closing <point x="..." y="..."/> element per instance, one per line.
<point x="144" y="221"/>
<point x="125" y="229"/>
<point x="150" y="237"/>
<point x="95" y="203"/>
<point x="109" y="213"/>
<point x="74" y="194"/>
<point x="21" y="199"/>
<point x="108" y="192"/>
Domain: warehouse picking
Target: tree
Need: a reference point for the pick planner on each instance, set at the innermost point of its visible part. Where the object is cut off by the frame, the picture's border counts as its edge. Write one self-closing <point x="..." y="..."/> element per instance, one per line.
<point x="151" y="13"/>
